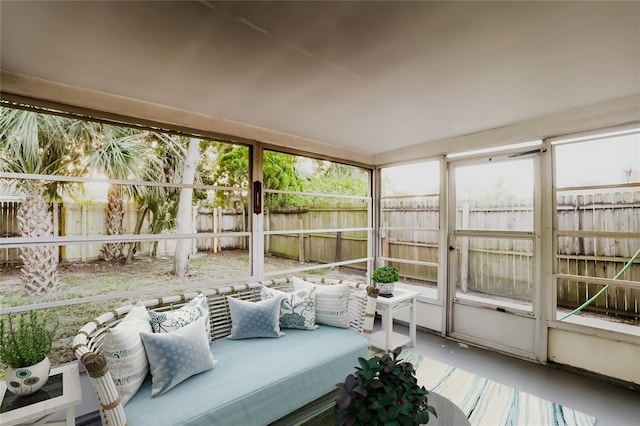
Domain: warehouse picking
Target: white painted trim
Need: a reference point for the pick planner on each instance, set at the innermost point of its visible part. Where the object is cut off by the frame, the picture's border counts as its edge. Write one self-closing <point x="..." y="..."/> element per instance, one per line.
<point x="313" y="231"/>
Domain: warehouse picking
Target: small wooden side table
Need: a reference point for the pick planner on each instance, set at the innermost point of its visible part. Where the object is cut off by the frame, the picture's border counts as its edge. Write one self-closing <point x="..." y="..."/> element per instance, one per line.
<point x="59" y="395"/>
<point x="386" y="338"/>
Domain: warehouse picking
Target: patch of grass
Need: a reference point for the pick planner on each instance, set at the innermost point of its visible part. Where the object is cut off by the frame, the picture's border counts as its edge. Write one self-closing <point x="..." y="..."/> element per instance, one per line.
<point x="320" y="272"/>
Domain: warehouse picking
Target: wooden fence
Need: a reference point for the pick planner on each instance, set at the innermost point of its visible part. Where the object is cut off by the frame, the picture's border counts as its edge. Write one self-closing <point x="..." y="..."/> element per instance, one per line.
<point x="501" y="267"/>
<point x="596" y="256"/>
<point x="323" y="247"/>
<point x="90" y="220"/>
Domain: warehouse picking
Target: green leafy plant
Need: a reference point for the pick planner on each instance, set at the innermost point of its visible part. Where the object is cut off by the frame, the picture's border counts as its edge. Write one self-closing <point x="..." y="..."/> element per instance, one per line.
<point x="385" y="274"/>
<point x="25" y="338"/>
<point x="383" y="391"/>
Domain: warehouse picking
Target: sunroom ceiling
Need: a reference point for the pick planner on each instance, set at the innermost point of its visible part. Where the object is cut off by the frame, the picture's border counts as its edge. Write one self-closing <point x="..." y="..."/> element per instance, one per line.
<point x="368" y="77"/>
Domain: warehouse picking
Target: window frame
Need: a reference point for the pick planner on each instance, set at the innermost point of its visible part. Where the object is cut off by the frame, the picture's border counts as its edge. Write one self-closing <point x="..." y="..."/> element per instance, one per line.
<point x="598" y="326"/>
<point x="426" y="293"/>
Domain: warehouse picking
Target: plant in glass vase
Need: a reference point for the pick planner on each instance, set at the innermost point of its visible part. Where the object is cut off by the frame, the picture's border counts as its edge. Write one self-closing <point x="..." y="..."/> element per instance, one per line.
<point x="384" y="390"/>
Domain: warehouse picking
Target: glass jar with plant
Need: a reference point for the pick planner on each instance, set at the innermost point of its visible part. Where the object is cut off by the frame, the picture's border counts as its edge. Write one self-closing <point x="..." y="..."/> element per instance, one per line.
<point x="25" y="344"/>
<point x="384" y="279"/>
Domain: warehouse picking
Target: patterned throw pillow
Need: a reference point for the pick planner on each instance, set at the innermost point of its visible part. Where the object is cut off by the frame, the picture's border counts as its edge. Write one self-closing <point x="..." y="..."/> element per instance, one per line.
<point x="331" y="302"/>
<point x="297" y="309"/>
<point x="178" y="355"/>
<point x="255" y="319"/>
<point x="165" y="322"/>
<point x="124" y="352"/>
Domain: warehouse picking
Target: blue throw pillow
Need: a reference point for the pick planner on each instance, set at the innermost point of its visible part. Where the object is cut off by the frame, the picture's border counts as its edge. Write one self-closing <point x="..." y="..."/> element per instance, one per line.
<point x="178" y="355"/>
<point x="255" y="319"/>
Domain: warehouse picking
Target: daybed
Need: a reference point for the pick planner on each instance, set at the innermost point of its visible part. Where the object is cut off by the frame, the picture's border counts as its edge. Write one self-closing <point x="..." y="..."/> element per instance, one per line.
<point x="255" y="381"/>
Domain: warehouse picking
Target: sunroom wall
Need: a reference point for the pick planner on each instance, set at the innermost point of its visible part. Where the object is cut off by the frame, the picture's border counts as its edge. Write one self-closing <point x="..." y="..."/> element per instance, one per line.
<point x="613" y="113"/>
<point x="562" y="340"/>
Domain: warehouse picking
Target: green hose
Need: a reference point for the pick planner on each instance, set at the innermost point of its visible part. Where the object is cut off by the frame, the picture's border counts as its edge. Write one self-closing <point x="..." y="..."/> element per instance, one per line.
<point x="588" y="302"/>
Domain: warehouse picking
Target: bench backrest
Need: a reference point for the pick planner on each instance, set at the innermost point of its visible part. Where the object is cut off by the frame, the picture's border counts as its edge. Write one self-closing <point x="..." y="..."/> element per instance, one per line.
<point x="87" y="344"/>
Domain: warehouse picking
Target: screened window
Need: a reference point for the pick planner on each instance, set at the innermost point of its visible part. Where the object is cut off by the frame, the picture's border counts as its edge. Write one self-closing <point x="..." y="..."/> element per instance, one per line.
<point x="410" y="222"/>
<point x="316" y="217"/>
<point x="597" y="193"/>
<point x="93" y="215"/>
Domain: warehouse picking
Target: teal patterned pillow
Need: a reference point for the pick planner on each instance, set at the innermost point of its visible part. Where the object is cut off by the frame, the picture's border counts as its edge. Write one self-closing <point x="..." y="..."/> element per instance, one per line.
<point x="167" y="321"/>
<point x="297" y="309"/>
<point x="331" y="302"/>
<point x="176" y="356"/>
<point x="255" y="319"/>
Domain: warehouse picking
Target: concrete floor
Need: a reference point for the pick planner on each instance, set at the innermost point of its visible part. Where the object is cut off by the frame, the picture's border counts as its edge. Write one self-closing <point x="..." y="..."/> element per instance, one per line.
<point x="610" y="404"/>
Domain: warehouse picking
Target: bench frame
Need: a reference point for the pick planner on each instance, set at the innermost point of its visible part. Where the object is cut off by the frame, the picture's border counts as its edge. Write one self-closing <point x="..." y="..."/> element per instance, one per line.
<point x="87" y="344"/>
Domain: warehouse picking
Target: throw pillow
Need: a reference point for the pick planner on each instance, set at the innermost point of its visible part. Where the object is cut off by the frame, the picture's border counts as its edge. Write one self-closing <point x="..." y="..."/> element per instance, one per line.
<point x="178" y="355"/>
<point x="255" y="319"/>
<point x="124" y="352"/>
<point x="297" y="309"/>
<point x="331" y="302"/>
<point x="167" y="321"/>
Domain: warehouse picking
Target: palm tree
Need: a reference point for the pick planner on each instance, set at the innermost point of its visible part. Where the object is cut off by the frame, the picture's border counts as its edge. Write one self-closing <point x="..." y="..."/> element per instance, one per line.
<point x="33" y="143"/>
<point x="162" y="164"/>
<point x="118" y="153"/>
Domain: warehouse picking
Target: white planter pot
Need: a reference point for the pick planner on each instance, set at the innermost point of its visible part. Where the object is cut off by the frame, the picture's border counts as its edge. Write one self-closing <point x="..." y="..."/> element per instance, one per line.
<point x="27" y="380"/>
<point x="386" y="288"/>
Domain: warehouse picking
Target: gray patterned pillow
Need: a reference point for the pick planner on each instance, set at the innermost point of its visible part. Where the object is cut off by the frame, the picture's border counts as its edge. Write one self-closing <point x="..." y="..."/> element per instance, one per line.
<point x="176" y="356"/>
<point x="165" y="322"/>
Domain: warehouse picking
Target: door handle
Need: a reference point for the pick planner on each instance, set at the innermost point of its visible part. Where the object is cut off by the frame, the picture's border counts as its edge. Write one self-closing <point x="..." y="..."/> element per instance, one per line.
<point x="451" y="248"/>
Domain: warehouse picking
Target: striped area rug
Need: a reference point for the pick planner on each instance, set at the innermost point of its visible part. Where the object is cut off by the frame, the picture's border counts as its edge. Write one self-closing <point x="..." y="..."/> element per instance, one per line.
<point x="489" y="403"/>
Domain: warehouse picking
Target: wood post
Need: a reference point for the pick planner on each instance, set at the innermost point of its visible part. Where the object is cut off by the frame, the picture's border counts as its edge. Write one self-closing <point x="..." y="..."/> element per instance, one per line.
<point x="301" y="242"/>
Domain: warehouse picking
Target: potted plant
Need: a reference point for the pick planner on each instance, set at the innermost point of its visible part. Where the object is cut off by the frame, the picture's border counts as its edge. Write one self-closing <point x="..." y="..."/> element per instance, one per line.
<point x="25" y="344"/>
<point x="384" y="390"/>
<point x="384" y="278"/>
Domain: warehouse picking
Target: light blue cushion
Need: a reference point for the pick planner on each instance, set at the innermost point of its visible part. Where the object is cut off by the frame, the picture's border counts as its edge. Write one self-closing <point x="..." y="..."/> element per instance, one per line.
<point x="256" y="381"/>
<point x="178" y="355"/>
<point x="255" y="319"/>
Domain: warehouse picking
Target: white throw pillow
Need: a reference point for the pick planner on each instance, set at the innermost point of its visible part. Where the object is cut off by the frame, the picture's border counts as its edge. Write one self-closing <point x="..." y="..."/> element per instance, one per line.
<point x="297" y="309"/>
<point x="178" y="355"/>
<point x="331" y="302"/>
<point x="167" y="321"/>
<point x="124" y="352"/>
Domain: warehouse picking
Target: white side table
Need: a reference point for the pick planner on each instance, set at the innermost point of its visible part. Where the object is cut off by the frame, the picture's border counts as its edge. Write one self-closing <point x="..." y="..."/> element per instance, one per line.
<point x="386" y="338"/>
<point x="59" y="395"/>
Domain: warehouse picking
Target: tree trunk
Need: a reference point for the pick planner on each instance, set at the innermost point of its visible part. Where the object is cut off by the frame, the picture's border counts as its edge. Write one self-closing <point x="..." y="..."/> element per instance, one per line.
<point x="184" y="221"/>
<point x="142" y="212"/>
<point x="115" y="219"/>
<point x="40" y="265"/>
